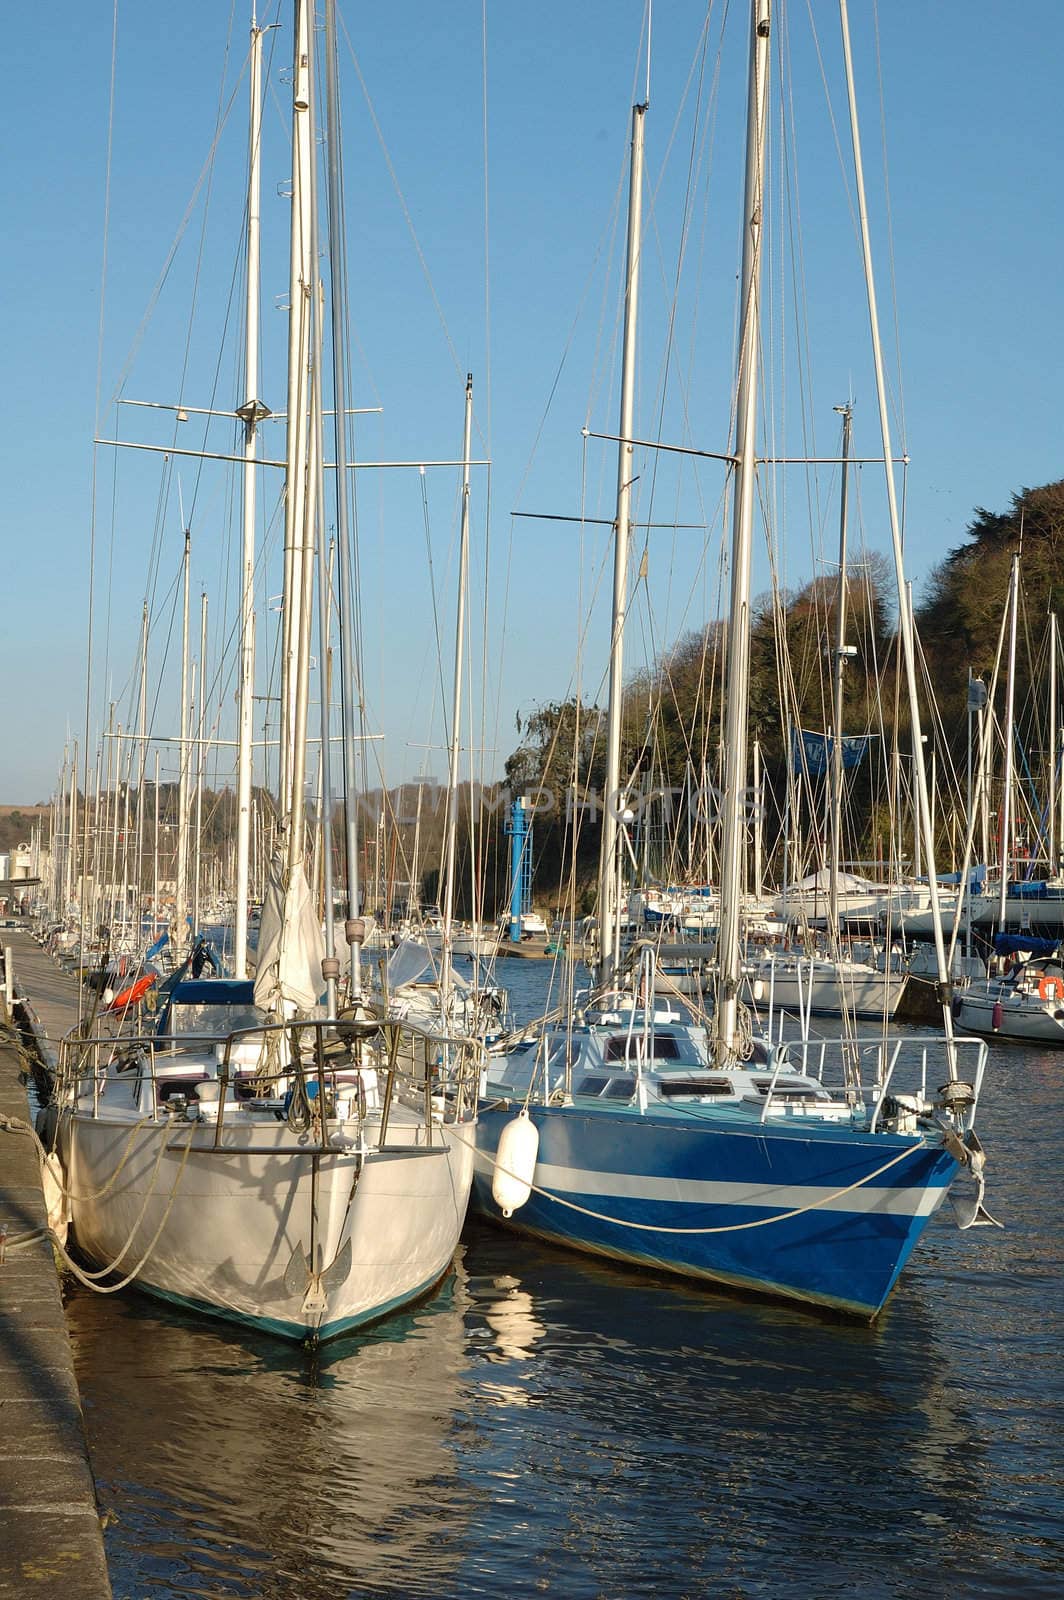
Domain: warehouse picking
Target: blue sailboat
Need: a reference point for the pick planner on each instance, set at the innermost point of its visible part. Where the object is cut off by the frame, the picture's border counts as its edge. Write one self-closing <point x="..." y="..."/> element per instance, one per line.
<point x="805" y="1169"/>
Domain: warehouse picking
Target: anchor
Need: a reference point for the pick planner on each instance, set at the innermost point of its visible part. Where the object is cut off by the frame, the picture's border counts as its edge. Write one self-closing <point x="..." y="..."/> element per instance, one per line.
<point x="300" y="1278"/>
<point x="968" y="1210"/>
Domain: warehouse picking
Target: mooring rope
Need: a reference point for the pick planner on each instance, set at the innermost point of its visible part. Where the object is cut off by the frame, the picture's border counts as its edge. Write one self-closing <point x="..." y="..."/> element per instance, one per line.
<point x="731" y="1227"/>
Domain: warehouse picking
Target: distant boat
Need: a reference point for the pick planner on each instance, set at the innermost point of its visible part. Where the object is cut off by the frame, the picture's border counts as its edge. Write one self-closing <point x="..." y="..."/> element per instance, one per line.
<point x="1027" y="1003"/>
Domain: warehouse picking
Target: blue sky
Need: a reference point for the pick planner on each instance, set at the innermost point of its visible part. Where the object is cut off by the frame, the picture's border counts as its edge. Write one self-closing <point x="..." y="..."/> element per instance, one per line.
<point x="970" y="105"/>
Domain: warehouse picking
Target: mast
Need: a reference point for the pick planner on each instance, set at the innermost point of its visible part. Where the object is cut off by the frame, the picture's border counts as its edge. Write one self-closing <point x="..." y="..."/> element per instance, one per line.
<point x="200" y="758"/>
<point x="181" y="875"/>
<point x="71" y="880"/>
<point x="350" y="677"/>
<point x="302" y="274"/>
<point x="142" y="746"/>
<point x="729" y="952"/>
<point x="451" y="838"/>
<point x="155" y="858"/>
<point x="251" y="413"/>
<point x="1010" y="711"/>
<point x="330" y="966"/>
<point x="609" y="864"/>
<point x="840" y="661"/>
<point x="905" y="618"/>
<point x="759" y="812"/>
<point x="1052" y="807"/>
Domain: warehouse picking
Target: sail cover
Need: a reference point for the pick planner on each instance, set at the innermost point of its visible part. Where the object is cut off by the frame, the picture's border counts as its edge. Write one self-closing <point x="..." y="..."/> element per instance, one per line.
<point x="413" y="962"/>
<point x="288" y="972"/>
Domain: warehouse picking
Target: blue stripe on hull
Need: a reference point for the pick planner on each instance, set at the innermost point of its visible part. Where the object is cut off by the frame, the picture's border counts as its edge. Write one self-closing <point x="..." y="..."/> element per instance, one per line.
<point x="848" y="1260"/>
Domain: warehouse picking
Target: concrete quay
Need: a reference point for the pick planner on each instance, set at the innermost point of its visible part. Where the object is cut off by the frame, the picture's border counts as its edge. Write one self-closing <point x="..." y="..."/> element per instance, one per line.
<point x="52" y="1543"/>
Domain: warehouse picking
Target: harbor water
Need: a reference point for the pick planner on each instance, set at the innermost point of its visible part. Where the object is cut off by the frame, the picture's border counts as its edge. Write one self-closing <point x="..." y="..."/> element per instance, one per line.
<point x="549" y="1425"/>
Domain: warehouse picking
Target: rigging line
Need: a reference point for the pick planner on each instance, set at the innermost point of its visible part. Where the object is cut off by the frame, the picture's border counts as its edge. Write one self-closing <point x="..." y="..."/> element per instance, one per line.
<point x="221" y="117"/>
<point x="483" y="1160"/>
<point x="171" y="255"/>
<point x="476" y="854"/>
<point x="889" y="223"/>
<point x="371" y="108"/>
<point x="607" y="522"/>
<point x="694" y="165"/>
<point x="435" y="604"/>
<point x="839" y="151"/>
<point x="487" y="255"/>
<point x="791" y="206"/>
<point x="168" y="469"/>
<point x="705" y="164"/>
<point x="95" y="465"/>
<point x="681" y="621"/>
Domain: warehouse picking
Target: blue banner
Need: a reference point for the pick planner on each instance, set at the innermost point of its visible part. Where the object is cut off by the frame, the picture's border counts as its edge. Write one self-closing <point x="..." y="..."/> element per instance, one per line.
<point x="816" y="751"/>
<point x="160" y="944"/>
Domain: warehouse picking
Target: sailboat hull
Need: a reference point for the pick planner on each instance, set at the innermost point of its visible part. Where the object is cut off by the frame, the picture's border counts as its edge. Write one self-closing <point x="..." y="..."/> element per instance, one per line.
<point x="800" y="1213"/>
<point x="1003" y="1012"/>
<point x="288" y="1239"/>
<point x="827" y="988"/>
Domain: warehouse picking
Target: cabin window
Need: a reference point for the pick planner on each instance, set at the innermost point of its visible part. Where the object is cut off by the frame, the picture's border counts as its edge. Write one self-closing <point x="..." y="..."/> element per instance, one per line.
<point x="671" y="1088"/>
<point x="791" y="1091"/>
<point x="591" y="1085"/>
<point x="213" y="1021"/>
<point x="659" y="1047"/>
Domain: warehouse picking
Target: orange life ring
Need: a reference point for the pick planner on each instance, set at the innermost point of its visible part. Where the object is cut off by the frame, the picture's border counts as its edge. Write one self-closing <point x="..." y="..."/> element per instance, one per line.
<point x="135" y="992"/>
<point x="1051" y="988"/>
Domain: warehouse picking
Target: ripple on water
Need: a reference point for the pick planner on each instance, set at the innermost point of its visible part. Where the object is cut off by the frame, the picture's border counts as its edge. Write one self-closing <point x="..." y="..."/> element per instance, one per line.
<point x="552" y="1425"/>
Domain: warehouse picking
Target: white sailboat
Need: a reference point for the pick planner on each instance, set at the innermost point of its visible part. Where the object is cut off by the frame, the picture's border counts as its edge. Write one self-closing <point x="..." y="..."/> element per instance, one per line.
<point x="250" y="1156"/>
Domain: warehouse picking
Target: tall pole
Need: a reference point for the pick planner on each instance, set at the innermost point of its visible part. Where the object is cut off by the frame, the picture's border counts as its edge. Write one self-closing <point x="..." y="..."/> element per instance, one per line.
<point x="200" y="760"/>
<point x="109" y="801"/>
<point x="729" y="946"/>
<point x="142" y="746"/>
<point x="74" y="888"/>
<point x="350" y="677"/>
<point x="609" y="864"/>
<point x="840" y="662"/>
<point x="325" y="791"/>
<point x="155" y="859"/>
<point x="1052" y="844"/>
<point x="759" y="787"/>
<point x="1010" y="713"/>
<point x="966" y="876"/>
<point x="905" y="618"/>
<point x="251" y="413"/>
<point x="451" y="836"/>
<point x="181" y="874"/>
<point x="302" y="278"/>
<point x="97" y="848"/>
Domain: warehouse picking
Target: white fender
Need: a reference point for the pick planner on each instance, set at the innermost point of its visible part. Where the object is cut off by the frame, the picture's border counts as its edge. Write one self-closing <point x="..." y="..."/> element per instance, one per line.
<point x="515" y="1163"/>
<point x="54" y="1198"/>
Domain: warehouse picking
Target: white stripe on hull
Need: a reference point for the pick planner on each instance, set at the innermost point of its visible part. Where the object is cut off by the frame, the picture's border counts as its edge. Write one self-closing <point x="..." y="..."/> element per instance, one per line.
<point x="917" y="1202"/>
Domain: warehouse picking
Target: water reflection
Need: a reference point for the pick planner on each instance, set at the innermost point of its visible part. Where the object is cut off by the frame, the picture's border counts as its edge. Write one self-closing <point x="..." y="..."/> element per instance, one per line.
<point x="745" y="1444"/>
<point x="237" y="1463"/>
<point x="549" y="1425"/>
